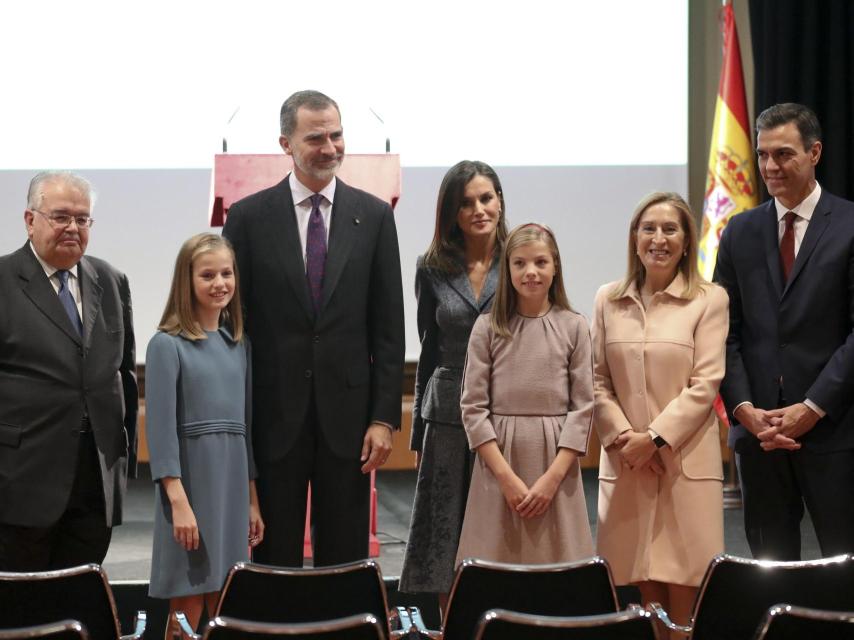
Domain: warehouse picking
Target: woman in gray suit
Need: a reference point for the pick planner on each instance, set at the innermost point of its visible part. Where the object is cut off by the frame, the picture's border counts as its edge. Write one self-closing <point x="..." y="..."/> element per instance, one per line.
<point x="454" y="283"/>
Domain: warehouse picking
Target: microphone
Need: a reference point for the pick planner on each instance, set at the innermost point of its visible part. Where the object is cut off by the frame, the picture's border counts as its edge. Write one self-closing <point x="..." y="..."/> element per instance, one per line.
<point x="382" y="122"/>
<point x="228" y="122"/>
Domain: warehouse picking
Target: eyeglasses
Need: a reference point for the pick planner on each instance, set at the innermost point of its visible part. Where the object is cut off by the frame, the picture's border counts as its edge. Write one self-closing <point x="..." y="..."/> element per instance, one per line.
<point x="64" y="219"/>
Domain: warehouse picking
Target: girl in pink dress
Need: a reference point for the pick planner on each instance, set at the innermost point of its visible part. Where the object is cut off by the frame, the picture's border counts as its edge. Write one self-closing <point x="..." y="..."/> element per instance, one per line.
<point x="527" y="408"/>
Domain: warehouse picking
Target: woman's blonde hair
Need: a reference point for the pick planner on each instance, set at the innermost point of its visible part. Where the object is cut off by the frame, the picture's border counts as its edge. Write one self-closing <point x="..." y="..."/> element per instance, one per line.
<point x="504" y="305"/>
<point x="179" y="316"/>
<point x="635" y="271"/>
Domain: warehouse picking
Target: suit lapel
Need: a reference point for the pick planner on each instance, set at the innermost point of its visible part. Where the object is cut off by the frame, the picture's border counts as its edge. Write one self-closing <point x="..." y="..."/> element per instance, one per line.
<point x="772" y="247"/>
<point x="489" y="285"/>
<point x="815" y="229"/>
<point x="460" y="283"/>
<point x="91" y="292"/>
<point x="343" y="230"/>
<point x="287" y="247"/>
<point x="39" y="290"/>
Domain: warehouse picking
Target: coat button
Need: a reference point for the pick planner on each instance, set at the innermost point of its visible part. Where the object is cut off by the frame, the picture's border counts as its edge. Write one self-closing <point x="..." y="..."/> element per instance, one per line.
<point x="316" y="339"/>
<point x="308" y="373"/>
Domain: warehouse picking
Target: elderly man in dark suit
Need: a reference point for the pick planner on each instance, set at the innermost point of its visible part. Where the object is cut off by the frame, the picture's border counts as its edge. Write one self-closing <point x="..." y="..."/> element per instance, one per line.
<point x="320" y="276"/>
<point x="68" y="394"/>
<point x="788" y="266"/>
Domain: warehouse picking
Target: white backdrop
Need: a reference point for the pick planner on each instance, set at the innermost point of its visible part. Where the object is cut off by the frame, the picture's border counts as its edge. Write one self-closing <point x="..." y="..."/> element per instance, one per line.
<point x="581" y="106"/>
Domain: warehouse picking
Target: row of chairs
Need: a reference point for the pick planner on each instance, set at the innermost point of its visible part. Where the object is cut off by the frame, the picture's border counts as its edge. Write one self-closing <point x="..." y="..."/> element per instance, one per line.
<point x="781" y="622"/>
<point x="733" y="601"/>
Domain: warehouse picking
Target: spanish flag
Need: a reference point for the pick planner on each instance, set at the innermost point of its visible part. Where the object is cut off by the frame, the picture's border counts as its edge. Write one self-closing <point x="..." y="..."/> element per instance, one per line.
<point x="731" y="180"/>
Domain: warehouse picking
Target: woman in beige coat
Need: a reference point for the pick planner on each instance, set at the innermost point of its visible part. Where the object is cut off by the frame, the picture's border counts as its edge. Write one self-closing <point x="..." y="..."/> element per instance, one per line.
<point x="659" y="350"/>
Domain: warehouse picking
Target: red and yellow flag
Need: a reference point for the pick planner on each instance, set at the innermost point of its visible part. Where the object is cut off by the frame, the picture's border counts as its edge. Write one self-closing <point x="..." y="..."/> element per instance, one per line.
<point x="731" y="180"/>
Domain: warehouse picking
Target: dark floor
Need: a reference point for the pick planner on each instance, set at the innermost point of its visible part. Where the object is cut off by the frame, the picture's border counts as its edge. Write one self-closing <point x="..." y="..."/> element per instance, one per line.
<point x="130" y="552"/>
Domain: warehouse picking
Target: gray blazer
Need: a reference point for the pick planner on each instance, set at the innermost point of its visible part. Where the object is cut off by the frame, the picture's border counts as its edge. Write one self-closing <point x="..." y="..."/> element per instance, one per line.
<point x="447" y="310"/>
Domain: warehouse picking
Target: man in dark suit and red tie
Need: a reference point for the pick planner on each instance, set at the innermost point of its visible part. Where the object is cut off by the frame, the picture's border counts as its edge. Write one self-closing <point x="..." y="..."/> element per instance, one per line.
<point x="68" y="394"/>
<point x="788" y="266"/>
<point x="319" y="270"/>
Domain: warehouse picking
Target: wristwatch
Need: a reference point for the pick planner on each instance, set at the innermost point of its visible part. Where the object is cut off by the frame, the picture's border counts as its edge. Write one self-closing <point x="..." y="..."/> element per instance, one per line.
<point x="657" y="440"/>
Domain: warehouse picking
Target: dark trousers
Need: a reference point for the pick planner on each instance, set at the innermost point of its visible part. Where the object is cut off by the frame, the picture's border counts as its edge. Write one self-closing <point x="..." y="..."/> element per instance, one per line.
<point x="777" y="485"/>
<point x="80" y="536"/>
<point x="340" y="504"/>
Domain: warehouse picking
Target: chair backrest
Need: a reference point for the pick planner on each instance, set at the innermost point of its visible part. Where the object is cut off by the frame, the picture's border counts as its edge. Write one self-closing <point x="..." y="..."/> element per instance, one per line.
<point x="631" y="624"/>
<point x="63" y="630"/>
<point x="568" y="589"/>
<point x="80" y="593"/>
<point x="274" y="594"/>
<point x="787" y="622"/>
<point x="358" y="627"/>
<point x="736" y="592"/>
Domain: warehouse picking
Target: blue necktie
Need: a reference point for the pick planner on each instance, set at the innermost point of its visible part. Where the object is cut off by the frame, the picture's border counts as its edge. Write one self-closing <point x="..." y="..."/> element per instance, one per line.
<point x="315" y="251"/>
<point x="68" y="303"/>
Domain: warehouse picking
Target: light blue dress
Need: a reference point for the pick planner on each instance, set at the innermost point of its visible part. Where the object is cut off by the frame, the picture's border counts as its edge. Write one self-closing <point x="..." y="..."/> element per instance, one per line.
<point x="197" y="423"/>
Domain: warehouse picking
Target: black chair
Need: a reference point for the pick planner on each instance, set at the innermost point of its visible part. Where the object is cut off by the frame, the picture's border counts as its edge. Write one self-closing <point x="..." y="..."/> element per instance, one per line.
<point x="631" y="624"/>
<point x="787" y="622"/>
<point x="736" y="593"/>
<point x="80" y="593"/>
<point x="64" y="630"/>
<point x="580" y="588"/>
<point x="357" y="627"/>
<point x="262" y="593"/>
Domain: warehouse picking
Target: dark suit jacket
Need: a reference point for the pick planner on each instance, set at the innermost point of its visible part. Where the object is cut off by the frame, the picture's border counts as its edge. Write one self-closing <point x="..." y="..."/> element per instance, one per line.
<point x="351" y="352"/>
<point x="792" y="340"/>
<point x="447" y="310"/>
<point x="48" y="376"/>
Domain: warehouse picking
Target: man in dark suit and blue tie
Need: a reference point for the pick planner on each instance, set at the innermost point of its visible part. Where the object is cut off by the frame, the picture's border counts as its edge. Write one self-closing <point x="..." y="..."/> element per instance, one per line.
<point x="788" y="266"/>
<point x="68" y="394"/>
<point x="320" y="276"/>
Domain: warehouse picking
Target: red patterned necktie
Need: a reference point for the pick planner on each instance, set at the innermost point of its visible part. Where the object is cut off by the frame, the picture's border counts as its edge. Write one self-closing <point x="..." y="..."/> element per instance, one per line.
<point x="787" y="245"/>
<point x="315" y="251"/>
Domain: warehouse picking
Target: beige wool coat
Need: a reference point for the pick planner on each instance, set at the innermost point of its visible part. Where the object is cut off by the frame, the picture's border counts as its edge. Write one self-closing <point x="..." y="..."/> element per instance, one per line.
<point x="660" y="368"/>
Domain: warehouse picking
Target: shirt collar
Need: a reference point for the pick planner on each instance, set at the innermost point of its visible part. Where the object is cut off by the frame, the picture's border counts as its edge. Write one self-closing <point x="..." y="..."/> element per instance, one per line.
<point x="675" y="289"/>
<point x="301" y="193"/>
<point x="804" y="209"/>
<point x="50" y="270"/>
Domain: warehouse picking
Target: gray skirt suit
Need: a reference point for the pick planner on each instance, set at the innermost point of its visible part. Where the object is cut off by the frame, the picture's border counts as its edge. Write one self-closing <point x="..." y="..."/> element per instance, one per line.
<point x="447" y="310"/>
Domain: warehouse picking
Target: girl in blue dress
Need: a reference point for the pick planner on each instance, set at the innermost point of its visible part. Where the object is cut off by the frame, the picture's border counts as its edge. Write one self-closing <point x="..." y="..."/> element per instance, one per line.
<point x="197" y="424"/>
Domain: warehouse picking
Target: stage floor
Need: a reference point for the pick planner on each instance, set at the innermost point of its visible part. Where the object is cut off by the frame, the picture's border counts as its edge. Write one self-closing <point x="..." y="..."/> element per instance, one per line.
<point x="129" y="557"/>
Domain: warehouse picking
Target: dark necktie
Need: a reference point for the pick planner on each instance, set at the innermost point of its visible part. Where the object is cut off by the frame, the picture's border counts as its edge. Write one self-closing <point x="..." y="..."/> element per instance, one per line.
<point x="315" y="251"/>
<point x="68" y="303"/>
<point x="787" y="245"/>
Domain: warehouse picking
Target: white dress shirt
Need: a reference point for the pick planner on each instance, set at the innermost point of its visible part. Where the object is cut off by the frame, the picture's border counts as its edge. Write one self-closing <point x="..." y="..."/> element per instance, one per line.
<point x="302" y="207"/>
<point x="803" y="214"/>
<point x="73" y="280"/>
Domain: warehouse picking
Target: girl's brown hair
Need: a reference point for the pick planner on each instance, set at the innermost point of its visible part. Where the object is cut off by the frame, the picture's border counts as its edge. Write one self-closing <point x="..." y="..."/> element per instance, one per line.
<point x="504" y="305"/>
<point x="635" y="271"/>
<point x="178" y="316"/>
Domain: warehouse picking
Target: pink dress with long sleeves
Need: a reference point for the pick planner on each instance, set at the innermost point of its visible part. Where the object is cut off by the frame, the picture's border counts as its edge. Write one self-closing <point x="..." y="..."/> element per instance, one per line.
<point x="532" y="394"/>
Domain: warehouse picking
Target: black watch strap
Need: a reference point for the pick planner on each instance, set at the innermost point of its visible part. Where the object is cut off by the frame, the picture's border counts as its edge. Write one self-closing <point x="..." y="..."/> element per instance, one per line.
<point x="659" y="442"/>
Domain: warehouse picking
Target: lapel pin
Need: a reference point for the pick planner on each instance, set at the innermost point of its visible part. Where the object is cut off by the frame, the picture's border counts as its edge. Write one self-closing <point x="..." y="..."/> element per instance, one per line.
<point x="356" y="221"/>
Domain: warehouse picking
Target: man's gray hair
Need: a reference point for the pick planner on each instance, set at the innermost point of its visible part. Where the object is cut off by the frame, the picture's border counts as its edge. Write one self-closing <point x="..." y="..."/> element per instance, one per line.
<point x="312" y="100"/>
<point x="35" y="194"/>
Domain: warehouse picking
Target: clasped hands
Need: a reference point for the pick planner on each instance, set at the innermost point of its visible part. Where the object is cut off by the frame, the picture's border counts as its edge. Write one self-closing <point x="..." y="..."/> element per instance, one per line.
<point x="638" y="451"/>
<point x="529" y="503"/>
<point x="777" y="428"/>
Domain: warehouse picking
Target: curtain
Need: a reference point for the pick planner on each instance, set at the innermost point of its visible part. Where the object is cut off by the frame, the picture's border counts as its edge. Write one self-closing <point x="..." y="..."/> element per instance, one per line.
<point x="803" y="51"/>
